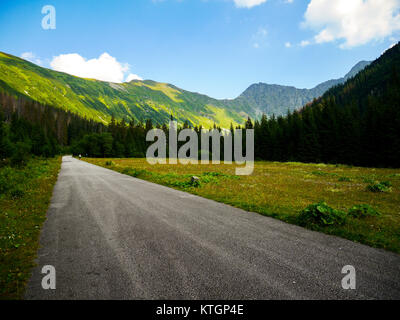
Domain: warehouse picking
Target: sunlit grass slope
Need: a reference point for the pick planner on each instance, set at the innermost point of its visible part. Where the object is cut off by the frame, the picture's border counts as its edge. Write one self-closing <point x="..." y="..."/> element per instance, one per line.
<point x="100" y="100"/>
<point x="282" y="190"/>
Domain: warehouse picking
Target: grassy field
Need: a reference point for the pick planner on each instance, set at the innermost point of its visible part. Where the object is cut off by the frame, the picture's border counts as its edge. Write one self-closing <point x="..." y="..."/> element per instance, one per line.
<point x="24" y="198"/>
<point x="283" y="190"/>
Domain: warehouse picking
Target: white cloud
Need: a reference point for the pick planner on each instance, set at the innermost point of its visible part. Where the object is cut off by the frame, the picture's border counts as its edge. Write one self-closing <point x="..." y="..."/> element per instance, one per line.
<point x="248" y="3"/>
<point x="305" y="43"/>
<point x="259" y="38"/>
<point x="288" y="44"/>
<point x="132" y="76"/>
<point x="262" y="32"/>
<point x="104" y="68"/>
<point x="30" y="56"/>
<point x="355" y="22"/>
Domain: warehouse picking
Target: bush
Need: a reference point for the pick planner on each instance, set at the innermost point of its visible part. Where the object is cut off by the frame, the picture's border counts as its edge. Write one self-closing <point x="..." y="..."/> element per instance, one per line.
<point x="195" y="182"/>
<point x="6" y="148"/>
<point x="320" y="214"/>
<point x="386" y="183"/>
<point x="213" y="174"/>
<point x="133" y="172"/>
<point x="319" y="173"/>
<point x="8" y="178"/>
<point x="368" y="180"/>
<point x="12" y="181"/>
<point x="362" y="211"/>
<point x="17" y="192"/>
<point x="324" y="174"/>
<point x="21" y="154"/>
<point x="344" y="179"/>
<point x="384" y="186"/>
<point x="110" y="163"/>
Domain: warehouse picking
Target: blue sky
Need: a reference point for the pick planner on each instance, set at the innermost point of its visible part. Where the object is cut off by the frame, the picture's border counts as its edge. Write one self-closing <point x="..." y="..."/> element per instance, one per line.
<point x="215" y="47"/>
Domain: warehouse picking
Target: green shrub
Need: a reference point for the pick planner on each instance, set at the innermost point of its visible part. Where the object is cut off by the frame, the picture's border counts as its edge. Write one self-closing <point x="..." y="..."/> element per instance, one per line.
<point x="195" y="183"/>
<point x="110" y="163"/>
<point x="213" y="174"/>
<point x="12" y="181"/>
<point x="21" y="154"/>
<point x="133" y="172"/>
<point x="324" y="174"/>
<point x="17" y="192"/>
<point x="344" y="179"/>
<point x="320" y="214"/>
<point x="8" y="178"/>
<point x="362" y="211"/>
<point x="319" y="173"/>
<point x="368" y="180"/>
<point x="384" y="186"/>
<point x="183" y="184"/>
<point x="386" y="183"/>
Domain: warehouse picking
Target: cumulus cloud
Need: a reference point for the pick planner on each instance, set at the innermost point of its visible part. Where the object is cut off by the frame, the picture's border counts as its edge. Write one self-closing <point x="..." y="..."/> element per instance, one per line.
<point x="259" y="37"/>
<point x="104" y="68"/>
<point x="248" y="3"/>
<point x="132" y="76"/>
<point x="288" y="44"/>
<point x="355" y="22"/>
<point x="30" y="56"/>
<point x="305" y="43"/>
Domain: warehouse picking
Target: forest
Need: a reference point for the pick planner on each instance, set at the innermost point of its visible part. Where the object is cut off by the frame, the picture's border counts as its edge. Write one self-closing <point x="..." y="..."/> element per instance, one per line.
<point x="356" y="123"/>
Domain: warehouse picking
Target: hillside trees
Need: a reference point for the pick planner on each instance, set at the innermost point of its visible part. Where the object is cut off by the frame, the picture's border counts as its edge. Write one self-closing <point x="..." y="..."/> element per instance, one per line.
<point x="357" y="123"/>
<point x="27" y="127"/>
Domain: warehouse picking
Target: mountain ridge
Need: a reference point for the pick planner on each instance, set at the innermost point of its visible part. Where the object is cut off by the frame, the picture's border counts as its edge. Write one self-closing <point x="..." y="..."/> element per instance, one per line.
<point x="278" y="99"/>
<point x="147" y="99"/>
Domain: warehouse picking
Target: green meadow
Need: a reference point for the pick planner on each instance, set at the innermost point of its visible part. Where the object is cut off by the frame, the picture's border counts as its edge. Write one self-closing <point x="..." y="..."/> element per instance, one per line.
<point x="284" y="190"/>
<point x="25" y="194"/>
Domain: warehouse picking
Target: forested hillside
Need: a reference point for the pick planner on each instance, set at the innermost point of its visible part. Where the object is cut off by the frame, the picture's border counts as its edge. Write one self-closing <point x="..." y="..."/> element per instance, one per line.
<point x="27" y="127"/>
<point x="357" y="122"/>
<point x="141" y="100"/>
<point x="99" y="100"/>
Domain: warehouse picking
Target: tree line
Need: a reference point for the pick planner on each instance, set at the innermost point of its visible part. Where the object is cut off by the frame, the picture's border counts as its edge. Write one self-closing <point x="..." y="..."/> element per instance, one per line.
<point x="30" y="128"/>
<point x="321" y="132"/>
<point x="357" y="123"/>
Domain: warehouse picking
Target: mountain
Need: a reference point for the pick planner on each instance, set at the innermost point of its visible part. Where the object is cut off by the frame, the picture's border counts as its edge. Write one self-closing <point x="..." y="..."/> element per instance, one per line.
<point x="357" y="122"/>
<point x="376" y="85"/>
<point x="148" y="99"/>
<point x="100" y="100"/>
<point x="276" y="99"/>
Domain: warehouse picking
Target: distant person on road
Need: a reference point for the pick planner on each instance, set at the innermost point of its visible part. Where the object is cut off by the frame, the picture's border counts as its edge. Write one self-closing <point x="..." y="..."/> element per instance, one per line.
<point x="80" y="156"/>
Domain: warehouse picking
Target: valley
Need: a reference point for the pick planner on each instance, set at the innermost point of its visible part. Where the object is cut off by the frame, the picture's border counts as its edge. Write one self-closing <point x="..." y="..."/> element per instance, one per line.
<point x="123" y="177"/>
<point x="142" y="100"/>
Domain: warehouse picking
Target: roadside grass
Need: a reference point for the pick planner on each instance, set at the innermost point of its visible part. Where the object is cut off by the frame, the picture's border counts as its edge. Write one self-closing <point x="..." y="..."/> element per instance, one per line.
<point x="24" y="198"/>
<point x="283" y="190"/>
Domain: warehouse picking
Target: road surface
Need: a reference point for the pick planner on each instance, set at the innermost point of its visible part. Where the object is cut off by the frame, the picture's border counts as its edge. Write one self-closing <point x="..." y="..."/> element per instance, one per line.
<point x="111" y="236"/>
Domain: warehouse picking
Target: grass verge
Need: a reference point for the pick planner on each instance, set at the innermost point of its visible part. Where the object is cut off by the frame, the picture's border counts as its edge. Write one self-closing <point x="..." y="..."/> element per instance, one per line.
<point x="283" y="190"/>
<point x="24" y="198"/>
